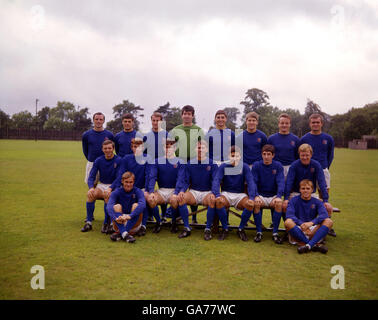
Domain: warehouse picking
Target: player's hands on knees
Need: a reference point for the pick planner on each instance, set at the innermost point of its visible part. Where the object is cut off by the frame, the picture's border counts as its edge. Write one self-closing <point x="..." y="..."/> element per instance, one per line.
<point x="275" y="200"/>
<point x="180" y="196"/>
<point x="91" y="192"/>
<point x="250" y="203"/>
<point x="151" y="197"/>
<point x="258" y="201"/>
<point x="107" y="193"/>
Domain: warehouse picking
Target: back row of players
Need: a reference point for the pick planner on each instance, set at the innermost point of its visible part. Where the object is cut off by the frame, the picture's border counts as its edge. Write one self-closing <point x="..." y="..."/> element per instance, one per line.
<point x="217" y="170"/>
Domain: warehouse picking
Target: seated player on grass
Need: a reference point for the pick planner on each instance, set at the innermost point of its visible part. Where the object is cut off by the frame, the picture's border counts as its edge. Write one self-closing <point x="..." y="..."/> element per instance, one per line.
<point x="165" y="173"/>
<point x="198" y="177"/>
<point x="233" y="176"/>
<point x="270" y="182"/>
<point x="107" y="166"/>
<point x="125" y="207"/>
<point x="306" y="168"/>
<point x="139" y="164"/>
<point x="307" y="220"/>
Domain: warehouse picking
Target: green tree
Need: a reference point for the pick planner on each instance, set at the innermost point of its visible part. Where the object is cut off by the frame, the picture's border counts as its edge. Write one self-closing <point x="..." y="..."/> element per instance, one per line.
<point x="296" y="121"/>
<point x="255" y="100"/>
<point x="64" y="117"/>
<point x="171" y="115"/>
<point x="232" y="116"/>
<point x="81" y="119"/>
<point x="61" y="117"/>
<point x="42" y="117"/>
<point x="119" y="110"/>
<point x="312" y="107"/>
<point x="23" y="119"/>
<point x="5" y="119"/>
<point x="268" y="117"/>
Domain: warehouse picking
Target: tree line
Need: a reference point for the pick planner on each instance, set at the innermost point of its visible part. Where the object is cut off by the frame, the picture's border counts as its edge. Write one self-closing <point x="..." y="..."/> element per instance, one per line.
<point x="343" y="127"/>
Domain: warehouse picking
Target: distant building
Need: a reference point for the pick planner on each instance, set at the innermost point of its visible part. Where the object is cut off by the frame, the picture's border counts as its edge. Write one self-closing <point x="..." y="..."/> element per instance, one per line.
<point x="367" y="142"/>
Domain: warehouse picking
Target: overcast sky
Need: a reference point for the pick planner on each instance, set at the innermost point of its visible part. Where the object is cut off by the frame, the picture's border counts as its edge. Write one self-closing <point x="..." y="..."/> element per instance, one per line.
<point x="203" y="53"/>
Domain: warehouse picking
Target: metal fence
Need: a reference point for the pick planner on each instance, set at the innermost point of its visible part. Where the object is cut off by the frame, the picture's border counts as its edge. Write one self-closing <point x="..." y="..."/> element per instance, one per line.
<point x="40" y="134"/>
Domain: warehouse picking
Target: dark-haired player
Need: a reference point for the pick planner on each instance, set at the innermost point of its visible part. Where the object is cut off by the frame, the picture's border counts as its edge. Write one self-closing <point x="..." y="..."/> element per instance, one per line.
<point x="123" y="138"/>
<point x="106" y="167"/>
<point x="92" y="141"/>
<point x="270" y="183"/>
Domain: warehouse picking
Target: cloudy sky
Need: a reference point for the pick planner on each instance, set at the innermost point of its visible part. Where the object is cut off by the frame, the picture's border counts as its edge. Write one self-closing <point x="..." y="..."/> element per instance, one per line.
<point x="206" y="53"/>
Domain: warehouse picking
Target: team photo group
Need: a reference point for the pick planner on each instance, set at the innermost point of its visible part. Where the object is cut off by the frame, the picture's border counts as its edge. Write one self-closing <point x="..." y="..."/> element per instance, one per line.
<point x="164" y="176"/>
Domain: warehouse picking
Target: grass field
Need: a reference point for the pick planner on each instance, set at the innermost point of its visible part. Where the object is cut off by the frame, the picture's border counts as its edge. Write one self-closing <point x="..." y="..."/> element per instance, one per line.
<point x="43" y="208"/>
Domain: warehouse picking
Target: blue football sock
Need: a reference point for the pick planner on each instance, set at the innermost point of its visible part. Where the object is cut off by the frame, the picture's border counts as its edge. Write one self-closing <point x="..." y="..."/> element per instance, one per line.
<point x="145" y="216"/>
<point x="210" y="217"/>
<point x="276" y="221"/>
<point x="319" y="235"/>
<point x="155" y="213"/>
<point x="222" y="214"/>
<point x="258" y="220"/>
<point x="131" y="223"/>
<point x="121" y="227"/>
<point x="174" y="213"/>
<point x="184" y="213"/>
<point x="163" y="210"/>
<point x="244" y="218"/>
<point x="193" y="209"/>
<point x="90" y="210"/>
<point x="107" y="218"/>
<point x="298" y="234"/>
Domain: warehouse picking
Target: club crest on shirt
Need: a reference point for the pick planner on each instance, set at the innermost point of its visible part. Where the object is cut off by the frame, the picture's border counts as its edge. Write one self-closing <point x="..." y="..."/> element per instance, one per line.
<point x="312" y="169"/>
<point x="208" y="168"/>
<point x="175" y="165"/>
<point x="313" y="206"/>
<point x="133" y="196"/>
<point x="292" y="143"/>
<point x="324" y="141"/>
<point x="274" y="171"/>
<point x="258" y="140"/>
<point x="115" y="165"/>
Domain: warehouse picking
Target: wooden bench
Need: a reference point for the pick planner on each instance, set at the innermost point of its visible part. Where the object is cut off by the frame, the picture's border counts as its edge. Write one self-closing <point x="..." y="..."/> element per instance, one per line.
<point x="215" y="227"/>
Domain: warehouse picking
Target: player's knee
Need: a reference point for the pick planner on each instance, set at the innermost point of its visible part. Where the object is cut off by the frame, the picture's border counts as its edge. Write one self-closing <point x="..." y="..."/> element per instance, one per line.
<point x="219" y="203"/>
<point x="252" y="206"/>
<point x="181" y="202"/>
<point x="211" y="203"/>
<point x="151" y="203"/>
<point x="328" y="223"/>
<point x="117" y="208"/>
<point x="173" y="202"/>
<point x="90" y="197"/>
<point x="289" y="224"/>
<point x="278" y="205"/>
